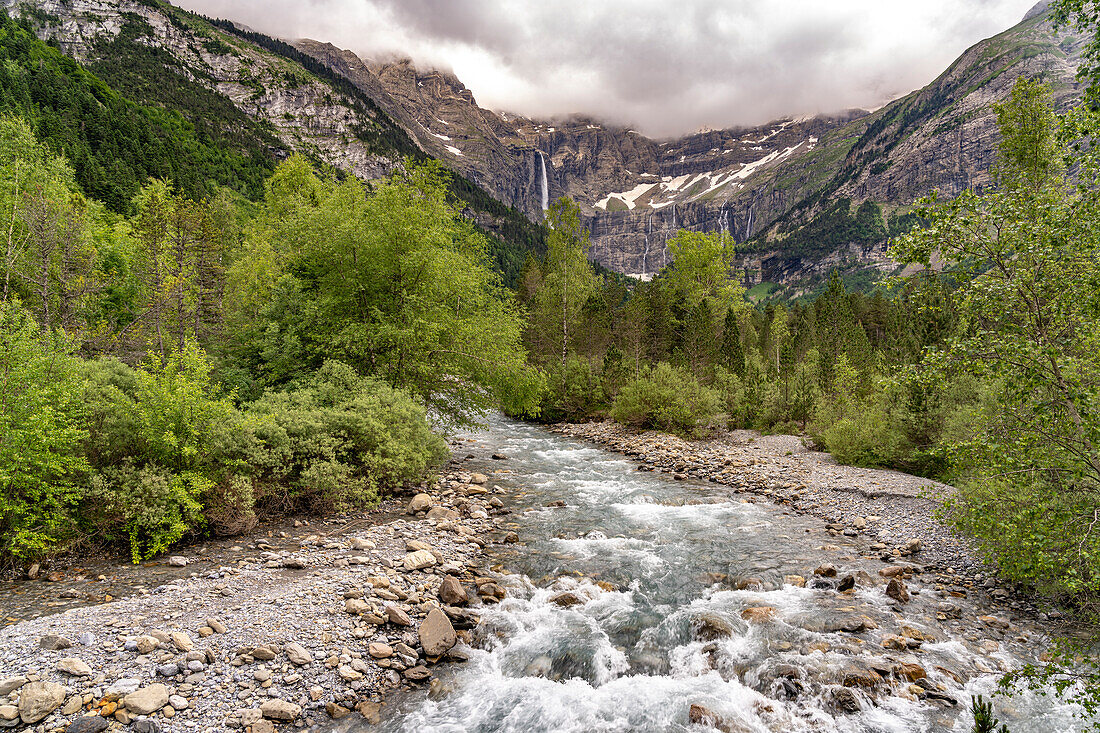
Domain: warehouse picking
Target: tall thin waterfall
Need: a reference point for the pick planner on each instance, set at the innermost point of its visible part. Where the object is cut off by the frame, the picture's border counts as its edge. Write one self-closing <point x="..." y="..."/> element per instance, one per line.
<point x="545" y="187"/>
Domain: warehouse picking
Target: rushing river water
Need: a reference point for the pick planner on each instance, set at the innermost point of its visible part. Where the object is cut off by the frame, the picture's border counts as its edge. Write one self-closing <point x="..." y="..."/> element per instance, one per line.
<point x="655" y="564"/>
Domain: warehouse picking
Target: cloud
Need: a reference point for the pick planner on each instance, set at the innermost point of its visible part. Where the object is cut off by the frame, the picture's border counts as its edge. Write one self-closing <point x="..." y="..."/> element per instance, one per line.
<point x="662" y="67"/>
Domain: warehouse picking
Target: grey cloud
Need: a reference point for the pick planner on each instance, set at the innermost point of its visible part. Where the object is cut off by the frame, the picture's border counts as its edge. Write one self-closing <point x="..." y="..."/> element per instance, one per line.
<point x="664" y="67"/>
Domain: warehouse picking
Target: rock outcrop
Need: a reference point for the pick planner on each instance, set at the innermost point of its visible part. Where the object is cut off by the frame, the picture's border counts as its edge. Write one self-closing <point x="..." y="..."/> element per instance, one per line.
<point x="772" y="185"/>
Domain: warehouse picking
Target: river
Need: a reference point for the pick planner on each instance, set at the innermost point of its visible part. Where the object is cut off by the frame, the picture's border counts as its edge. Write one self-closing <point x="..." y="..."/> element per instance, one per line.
<point x="648" y="617"/>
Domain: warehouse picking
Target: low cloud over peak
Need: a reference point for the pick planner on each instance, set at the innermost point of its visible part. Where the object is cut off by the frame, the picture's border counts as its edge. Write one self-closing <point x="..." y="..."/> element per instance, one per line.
<point x="664" y="68"/>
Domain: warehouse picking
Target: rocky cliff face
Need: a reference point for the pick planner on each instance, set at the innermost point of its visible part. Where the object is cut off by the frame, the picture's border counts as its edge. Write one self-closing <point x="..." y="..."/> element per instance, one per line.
<point x="762" y="185"/>
<point x="302" y="111"/>
<point x="634" y="191"/>
<point x="757" y="184"/>
<point x="444" y="119"/>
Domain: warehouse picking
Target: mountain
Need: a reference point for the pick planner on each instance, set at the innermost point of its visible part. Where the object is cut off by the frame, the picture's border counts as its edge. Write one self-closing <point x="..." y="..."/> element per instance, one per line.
<point x="247" y="95"/>
<point x="802" y="196"/>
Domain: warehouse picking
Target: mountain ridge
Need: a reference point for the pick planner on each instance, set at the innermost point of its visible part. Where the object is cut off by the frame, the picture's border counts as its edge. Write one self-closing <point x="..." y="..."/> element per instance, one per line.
<point x="800" y="196"/>
<point x="761" y="185"/>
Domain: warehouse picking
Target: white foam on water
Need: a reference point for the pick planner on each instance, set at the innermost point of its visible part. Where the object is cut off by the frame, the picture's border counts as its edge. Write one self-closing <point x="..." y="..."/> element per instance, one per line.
<point x="619" y="548"/>
<point x="627" y="704"/>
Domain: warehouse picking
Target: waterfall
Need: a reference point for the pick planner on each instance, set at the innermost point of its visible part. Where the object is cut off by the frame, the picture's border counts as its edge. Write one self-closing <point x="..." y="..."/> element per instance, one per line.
<point x="751" y="223"/>
<point x="545" y="188"/>
<point x="645" y="255"/>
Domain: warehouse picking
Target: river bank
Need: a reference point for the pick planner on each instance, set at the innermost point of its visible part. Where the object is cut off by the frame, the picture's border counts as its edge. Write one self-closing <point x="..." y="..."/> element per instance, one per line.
<point x="298" y="631"/>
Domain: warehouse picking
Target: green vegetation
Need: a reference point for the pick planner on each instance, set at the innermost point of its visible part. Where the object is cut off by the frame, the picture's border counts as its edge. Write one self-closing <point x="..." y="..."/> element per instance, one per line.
<point x="113" y="144"/>
<point x="669" y="399"/>
<point x="201" y="363"/>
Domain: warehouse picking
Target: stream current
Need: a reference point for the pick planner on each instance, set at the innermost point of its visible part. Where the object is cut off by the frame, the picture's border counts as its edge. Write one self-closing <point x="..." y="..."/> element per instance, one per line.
<point x="647" y="617"/>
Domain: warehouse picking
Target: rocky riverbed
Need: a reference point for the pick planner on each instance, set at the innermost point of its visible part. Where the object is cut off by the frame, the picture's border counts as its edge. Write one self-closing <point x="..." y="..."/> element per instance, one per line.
<point x="269" y="637"/>
<point x="562" y="587"/>
<point x="688" y="586"/>
<point x="896" y="510"/>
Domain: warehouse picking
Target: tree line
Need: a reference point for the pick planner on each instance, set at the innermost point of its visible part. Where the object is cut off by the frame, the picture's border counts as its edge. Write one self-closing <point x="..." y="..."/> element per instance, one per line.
<point x="202" y="361"/>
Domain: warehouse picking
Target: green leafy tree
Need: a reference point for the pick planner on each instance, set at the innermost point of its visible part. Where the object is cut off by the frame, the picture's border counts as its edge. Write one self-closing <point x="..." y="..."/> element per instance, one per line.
<point x="702" y="270"/>
<point x="40" y="462"/>
<point x="569" y="280"/>
<point x="396" y="282"/>
<point x="1029" y="305"/>
<point x="733" y="352"/>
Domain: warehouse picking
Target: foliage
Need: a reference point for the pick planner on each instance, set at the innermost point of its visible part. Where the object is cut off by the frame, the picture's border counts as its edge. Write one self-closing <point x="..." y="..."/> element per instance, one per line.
<point x="667" y="398"/>
<point x="153" y="445"/>
<point x="340" y="439"/>
<point x="1029" y="298"/>
<point x="701" y="265"/>
<point x="857" y="430"/>
<point x="984" y="720"/>
<point x="40" y="466"/>
<point x="171" y="457"/>
<point x="574" y="392"/>
<point x="394" y="283"/>
<point x="566" y="282"/>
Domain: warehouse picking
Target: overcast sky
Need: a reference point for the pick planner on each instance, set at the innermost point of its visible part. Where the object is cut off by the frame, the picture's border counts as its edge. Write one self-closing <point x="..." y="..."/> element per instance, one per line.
<point x="664" y="67"/>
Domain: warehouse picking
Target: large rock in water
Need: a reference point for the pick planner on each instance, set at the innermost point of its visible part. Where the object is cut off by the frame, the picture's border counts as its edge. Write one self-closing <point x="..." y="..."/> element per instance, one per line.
<point x="437" y="635"/>
<point x="896" y="589"/>
<point x="39" y="699"/>
<point x="710" y="626"/>
<point x="759" y="614"/>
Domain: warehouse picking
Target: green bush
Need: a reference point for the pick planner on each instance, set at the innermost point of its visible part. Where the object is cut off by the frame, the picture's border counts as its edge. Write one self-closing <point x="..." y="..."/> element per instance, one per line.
<point x="671" y="399"/>
<point x="172" y="456"/>
<point x="156" y="436"/>
<point x="40" y="461"/>
<point x="857" y="425"/>
<point x="340" y="439"/>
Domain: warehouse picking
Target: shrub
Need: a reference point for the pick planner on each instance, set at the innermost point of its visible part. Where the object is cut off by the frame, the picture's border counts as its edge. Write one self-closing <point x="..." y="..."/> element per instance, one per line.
<point x="341" y="438"/>
<point x="40" y="462"/>
<point x="860" y="430"/>
<point x="153" y="438"/>
<point x="671" y="399"/>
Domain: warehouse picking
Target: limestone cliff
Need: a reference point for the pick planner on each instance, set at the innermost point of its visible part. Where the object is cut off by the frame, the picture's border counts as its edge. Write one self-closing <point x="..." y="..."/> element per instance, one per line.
<point x="757" y="185"/>
<point x="793" y="191"/>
